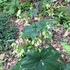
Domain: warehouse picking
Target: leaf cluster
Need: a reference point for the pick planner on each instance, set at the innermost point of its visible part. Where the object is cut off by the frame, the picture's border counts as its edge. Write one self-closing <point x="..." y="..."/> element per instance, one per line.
<point x="8" y="32"/>
<point x="9" y="6"/>
<point x="36" y="28"/>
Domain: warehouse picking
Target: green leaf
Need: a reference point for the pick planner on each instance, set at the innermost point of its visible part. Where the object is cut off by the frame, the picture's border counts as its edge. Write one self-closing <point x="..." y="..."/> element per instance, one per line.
<point x="1" y="1"/>
<point x="17" y="66"/>
<point x="29" y="31"/>
<point x="33" y="12"/>
<point x="46" y="59"/>
<point x="67" y="67"/>
<point x="8" y="32"/>
<point x="35" y="29"/>
<point x="66" y="47"/>
<point x="11" y="10"/>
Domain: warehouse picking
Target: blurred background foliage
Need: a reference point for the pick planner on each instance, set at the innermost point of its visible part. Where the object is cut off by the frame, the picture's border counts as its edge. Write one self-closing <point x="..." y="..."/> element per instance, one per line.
<point x="39" y="18"/>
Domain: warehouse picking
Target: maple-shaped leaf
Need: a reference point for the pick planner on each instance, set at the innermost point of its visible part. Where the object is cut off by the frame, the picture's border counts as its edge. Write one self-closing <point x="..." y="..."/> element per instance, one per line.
<point x="46" y="59"/>
<point x="35" y="29"/>
<point x="29" y="31"/>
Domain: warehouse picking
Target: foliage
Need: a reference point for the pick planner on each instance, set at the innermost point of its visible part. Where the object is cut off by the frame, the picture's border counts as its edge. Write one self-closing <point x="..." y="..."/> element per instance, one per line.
<point x="33" y="12"/>
<point x="66" y="47"/>
<point x="12" y="6"/>
<point x="1" y="64"/>
<point x="36" y="28"/>
<point x="48" y="10"/>
<point x="37" y="35"/>
<point x="63" y="15"/>
<point x="2" y="61"/>
<point x="21" y="50"/>
<point x="45" y="7"/>
<point x="42" y="59"/>
<point x="25" y="6"/>
<point x="2" y="56"/>
<point x="17" y="67"/>
<point x="67" y="67"/>
<point x="8" y="32"/>
<point x="66" y="25"/>
<point x="67" y="0"/>
<point x="46" y="59"/>
<point x="17" y="49"/>
<point x="9" y="6"/>
<point x="38" y="59"/>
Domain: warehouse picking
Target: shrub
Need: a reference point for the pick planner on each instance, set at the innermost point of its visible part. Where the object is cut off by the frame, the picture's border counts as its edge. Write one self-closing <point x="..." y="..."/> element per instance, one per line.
<point x="8" y="32"/>
<point x="9" y="6"/>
